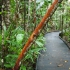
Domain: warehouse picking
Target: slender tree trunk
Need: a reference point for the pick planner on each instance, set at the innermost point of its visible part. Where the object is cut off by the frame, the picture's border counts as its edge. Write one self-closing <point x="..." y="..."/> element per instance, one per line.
<point x="28" y="22"/>
<point x="5" y="23"/>
<point x="24" y="13"/>
<point x="6" y="12"/>
<point x="17" y="13"/>
<point x="1" y="16"/>
<point x="62" y="23"/>
<point x="34" y="19"/>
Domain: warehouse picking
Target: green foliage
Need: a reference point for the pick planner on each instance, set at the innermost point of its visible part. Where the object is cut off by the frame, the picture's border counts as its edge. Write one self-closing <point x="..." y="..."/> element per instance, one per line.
<point x="0" y="12"/>
<point x="13" y="6"/>
<point x="14" y="41"/>
<point x="19" y="38"/>
<point x="0" y="39"/>
<point x="14" y="36"/>
<point x="10" y="59"/>
<point x="23" y="67"/>
<point x="33" y="52"/>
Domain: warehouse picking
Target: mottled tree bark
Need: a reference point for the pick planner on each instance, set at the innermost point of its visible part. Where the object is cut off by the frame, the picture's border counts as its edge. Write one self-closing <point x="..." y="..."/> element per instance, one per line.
<point x="6" y="12"/>
<point x="5" y="22"/>
<point x="24" y="14"/>
<point x="0" y="15"/>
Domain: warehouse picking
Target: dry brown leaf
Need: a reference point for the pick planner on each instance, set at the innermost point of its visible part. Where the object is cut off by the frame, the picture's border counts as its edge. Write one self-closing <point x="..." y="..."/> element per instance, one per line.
<point x="60" y="65"/>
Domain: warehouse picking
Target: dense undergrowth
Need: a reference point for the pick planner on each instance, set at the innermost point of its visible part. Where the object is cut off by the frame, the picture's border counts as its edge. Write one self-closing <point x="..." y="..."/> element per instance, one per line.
<point x="19" y="19"/>
<point x="13" y="42"/>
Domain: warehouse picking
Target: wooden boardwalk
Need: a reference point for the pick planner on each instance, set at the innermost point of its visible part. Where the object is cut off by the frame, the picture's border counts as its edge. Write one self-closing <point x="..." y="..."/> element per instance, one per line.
<point x="56" y="56"/>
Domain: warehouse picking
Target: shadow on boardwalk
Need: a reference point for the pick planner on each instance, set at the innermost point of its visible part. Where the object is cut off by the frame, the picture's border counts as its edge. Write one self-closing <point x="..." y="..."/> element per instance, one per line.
<point x="56" y="56"/>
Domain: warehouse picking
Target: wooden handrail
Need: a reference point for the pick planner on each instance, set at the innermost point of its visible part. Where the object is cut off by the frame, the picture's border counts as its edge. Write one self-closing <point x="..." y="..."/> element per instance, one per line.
<point x="35" y="33"/>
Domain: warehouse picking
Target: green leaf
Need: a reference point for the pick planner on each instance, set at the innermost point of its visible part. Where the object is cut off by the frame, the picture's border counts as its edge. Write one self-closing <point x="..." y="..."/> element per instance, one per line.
<point x="7" y="65"/>
<point x="19" y="38"/>
<point x="0" y="12"/>
<point x="0" y="38"/>
<point x="38" y="1"/>
<point x="39" y="43"/>
<point x="40" y="5"/>
<point x="23" y="67"/>
<point x="4" y="27"/>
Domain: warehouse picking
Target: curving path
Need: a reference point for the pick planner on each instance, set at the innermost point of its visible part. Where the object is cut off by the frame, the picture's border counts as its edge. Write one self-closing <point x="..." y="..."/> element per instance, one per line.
<point x="56" y="56"/>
